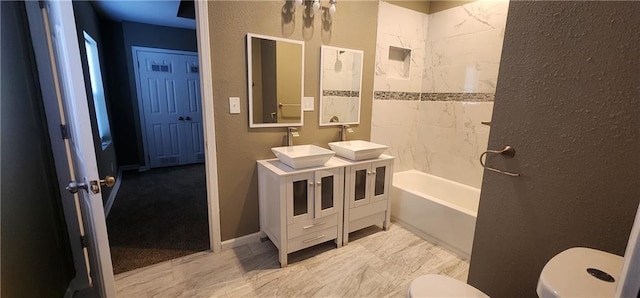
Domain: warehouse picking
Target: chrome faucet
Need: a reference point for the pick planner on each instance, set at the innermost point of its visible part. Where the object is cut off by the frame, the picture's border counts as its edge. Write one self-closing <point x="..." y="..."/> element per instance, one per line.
<point x="343" y="132"/>
<point x="291" y="133"/>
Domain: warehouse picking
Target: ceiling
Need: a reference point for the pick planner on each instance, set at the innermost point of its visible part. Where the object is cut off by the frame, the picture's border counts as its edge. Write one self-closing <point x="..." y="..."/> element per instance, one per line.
<point x="158" y="12"/>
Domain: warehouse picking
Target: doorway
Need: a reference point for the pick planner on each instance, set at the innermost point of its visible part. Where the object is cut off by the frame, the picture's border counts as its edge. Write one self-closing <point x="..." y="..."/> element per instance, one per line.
<point x="160" y="210"/>
<point x="161" y="213"/>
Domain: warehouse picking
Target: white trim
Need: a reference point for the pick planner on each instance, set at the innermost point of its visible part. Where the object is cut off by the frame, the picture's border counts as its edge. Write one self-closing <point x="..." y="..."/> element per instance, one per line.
<point x="242" y="240"/>
<point x="136" y="71"/>
<point x="249" y="79"/>
<point x="322" y="48"/>
<point x="211" y="163"/>
<point x="113" y="194"/>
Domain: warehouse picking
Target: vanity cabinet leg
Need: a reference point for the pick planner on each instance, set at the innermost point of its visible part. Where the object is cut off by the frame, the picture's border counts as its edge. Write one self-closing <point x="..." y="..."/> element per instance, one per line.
<point x="283" y="259"/>
<point x="387" y="221"/>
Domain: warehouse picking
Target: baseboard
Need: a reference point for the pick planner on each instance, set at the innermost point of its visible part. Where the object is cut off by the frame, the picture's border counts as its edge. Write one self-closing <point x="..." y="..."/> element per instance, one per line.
<point x="129" y="167"/>
<point x="242" y="240"/>
<point x="112" y="195"/>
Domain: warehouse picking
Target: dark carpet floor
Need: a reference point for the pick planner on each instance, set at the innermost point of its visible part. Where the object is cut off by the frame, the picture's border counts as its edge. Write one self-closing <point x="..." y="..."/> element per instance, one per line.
<point x="158" y="215"/>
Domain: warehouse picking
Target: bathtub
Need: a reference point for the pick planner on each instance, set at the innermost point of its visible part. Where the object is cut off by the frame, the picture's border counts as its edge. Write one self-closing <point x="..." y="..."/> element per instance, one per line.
<point x="439" y="210"/>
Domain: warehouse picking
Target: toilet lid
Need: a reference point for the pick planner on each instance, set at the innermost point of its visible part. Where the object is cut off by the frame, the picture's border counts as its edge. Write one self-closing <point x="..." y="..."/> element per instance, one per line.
<point x="433" y="285"/>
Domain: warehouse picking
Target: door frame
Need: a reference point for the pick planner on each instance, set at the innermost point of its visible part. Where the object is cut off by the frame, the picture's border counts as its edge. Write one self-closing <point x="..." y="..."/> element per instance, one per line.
<point x="55" y="118"/>
<point x="208" y="121"/>
<point x="143" y="127"/>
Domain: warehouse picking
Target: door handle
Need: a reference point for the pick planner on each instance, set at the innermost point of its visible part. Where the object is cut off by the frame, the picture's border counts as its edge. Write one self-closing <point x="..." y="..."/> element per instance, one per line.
<point x="188" y="118"/>
<point x="108" y="181"/>
<point x="180" y="118"/>
<point x="74" y="186"/>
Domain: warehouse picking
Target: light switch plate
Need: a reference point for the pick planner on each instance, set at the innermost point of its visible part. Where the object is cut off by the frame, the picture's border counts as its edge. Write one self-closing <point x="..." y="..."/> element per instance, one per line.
<point x="234" y="105"/>
<point x="307" y="103"/>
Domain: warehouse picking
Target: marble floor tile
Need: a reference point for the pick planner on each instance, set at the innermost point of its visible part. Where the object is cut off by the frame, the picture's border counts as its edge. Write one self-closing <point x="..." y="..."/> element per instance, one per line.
<point x="375" y="263"/>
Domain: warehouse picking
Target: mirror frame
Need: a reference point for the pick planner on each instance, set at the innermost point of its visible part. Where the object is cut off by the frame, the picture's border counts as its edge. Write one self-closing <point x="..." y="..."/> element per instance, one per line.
<point x="322" y="49"/>
<point x="249" y="81"/>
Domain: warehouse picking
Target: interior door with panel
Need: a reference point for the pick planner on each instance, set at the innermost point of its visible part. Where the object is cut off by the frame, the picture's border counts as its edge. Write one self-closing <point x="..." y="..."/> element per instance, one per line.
<point x="192" y="111"/>
<point x="169" y="86"/>
<point x="163" y="117"/>
<point x="64" y="49"/>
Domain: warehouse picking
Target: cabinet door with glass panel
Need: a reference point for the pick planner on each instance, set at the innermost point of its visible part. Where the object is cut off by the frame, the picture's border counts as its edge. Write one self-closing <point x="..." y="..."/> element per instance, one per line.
<point x="313" y="195"/>
<point x="369" y="183"/>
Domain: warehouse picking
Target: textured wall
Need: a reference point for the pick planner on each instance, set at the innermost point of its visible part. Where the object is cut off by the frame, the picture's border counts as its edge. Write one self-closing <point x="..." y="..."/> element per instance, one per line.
<point x="238" y="146"/>
<point x="567" y="100"/>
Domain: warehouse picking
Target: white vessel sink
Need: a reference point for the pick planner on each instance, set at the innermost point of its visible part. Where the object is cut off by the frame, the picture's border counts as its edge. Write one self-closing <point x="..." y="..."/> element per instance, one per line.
<point x="303" y="156"/>
<point x="357" y="150"/>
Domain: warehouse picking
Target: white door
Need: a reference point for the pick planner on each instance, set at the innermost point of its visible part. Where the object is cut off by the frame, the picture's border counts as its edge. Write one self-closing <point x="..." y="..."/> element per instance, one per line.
<point x="65" y="49"/>
<point x="170" y="91"/>
<point x="194" y="132"/>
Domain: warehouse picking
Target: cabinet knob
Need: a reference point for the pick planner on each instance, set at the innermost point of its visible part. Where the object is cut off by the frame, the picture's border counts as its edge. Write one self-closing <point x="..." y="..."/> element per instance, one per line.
<point x="373" y="173"/>
<point x="369" y="173"/>
<point x="310" y="183"/>
<point x="318" y="183"/>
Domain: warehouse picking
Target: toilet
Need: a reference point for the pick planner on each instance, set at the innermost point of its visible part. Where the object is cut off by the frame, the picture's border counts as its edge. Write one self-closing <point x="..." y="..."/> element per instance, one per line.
<point x="580" y="272"/>
<point x="575" y="272"/>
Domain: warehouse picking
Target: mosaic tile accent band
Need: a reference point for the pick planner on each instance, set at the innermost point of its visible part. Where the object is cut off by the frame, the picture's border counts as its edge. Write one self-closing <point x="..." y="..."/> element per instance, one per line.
<point x="467" y="97"/>
<point x="343" y="93"/>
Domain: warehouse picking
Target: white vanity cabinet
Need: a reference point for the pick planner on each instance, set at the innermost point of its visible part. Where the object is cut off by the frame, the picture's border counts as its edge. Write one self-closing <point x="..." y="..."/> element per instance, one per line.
<point x="300" y="208"/>
<point x="367" y="189"/>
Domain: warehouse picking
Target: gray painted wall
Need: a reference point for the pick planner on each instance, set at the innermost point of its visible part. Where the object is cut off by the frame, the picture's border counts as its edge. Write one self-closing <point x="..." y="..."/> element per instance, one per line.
<point x="87" y="20"/>
<point x="567" y="100"/>
<point x="36" y="257"/>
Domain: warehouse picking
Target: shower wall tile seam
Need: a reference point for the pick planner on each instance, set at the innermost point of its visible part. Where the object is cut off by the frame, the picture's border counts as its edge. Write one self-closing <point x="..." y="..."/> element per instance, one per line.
<point x="424" y="96"/>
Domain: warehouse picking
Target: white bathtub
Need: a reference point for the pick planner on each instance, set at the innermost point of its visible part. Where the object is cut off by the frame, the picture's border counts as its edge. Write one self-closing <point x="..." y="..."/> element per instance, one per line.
<point x="437" y="209"/>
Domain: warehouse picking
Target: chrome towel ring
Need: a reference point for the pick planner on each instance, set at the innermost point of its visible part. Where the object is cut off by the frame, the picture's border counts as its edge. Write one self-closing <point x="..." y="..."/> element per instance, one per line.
<point x="508" y="151"/>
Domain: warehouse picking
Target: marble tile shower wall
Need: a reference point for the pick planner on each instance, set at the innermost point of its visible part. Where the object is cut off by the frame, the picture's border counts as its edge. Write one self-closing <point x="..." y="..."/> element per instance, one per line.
<point x="405" y="29"/>
<point x="444" y="138"/>
<point x="463" y="48"/>
<point x="435" y="126"/>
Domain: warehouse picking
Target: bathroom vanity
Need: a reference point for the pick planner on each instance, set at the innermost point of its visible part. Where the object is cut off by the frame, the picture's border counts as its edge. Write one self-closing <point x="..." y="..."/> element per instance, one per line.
<point x="367" y="188"/>
<point x="300" y="208"/>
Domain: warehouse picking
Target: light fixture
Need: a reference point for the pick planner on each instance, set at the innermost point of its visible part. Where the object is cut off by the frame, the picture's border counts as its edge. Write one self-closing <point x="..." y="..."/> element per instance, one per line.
<point x="310" y="9"/>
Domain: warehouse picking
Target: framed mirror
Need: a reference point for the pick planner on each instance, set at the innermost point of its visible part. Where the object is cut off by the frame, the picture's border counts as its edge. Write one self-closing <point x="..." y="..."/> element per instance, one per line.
<point x="275" y="70"/>
<point x="340" y="86"/>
